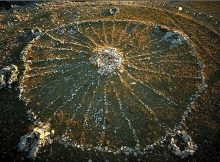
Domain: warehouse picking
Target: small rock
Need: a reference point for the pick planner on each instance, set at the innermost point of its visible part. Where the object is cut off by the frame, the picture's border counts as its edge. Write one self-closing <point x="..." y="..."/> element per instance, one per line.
<point x="114" y="11"/>
<point x="196" y="146"/>
<point x="169" y="147"/>
<point x="178" y="153"/>
<point x="191" y="152"/>
<point x="36" y="31"/>
<point x="52" y="131"/>
<point x="47" y="133"/>
<point x="135" y="154"/>
<point x="180" y="8"/>
<point x="127" y="153"/>
<point x="106" y="148"/>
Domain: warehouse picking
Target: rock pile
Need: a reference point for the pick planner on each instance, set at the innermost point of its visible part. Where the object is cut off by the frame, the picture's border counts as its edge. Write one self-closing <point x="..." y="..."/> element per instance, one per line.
<point x="174" y="39"/>
<point x="107" y="60"/>
<point x="114" y="11"/>
<point x="30" y="143"/>
<point x="182" y="145"/>
<point x="8" y="76"/>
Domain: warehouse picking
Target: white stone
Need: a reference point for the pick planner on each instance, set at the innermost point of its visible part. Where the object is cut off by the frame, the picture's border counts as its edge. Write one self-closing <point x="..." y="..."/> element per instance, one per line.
<point x="180" y="8"/>
<point x="172" y="140"/>
<point x="191" y="152"/>
<point x="52" y="131"/>
<point x="47" y="133"/>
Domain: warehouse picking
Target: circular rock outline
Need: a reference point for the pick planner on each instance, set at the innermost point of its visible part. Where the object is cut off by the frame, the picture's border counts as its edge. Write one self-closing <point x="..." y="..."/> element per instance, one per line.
<point x="203" y="84"/>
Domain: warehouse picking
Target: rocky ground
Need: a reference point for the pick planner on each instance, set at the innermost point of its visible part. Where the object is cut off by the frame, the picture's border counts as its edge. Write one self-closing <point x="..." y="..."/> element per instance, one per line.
<point x="203" y="123"/>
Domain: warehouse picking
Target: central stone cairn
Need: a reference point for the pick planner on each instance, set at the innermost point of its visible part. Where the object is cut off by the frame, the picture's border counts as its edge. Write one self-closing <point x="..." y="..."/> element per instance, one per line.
<point x="108" y="60"/>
